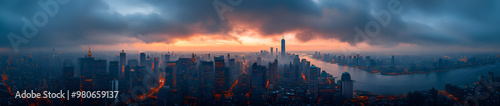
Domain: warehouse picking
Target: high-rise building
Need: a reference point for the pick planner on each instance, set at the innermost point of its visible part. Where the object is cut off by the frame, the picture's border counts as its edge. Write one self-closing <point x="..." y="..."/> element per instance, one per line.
<point x="283" y="52"/>
<point x="232" y="66"/>
<point x="123" y="60"/>
<point x="171" y="66"/>
<point x="187" y="65"/>
<point x="169" y="76"/>
<point x="220" y="76"/>
<point x="185" y="70"/>
<point x="114" y="69"/>
<point x="257" y="85"/>
<point x="347" y="85"/>
<point x="271" y="51"/>
<point x="143" y="59"/>
<point x="207" y="82"/>
<point x="276" y="51"/>
<point x="149" y="61"/>
<point x="155" y="64"/>
<point x="273" y="74"/>
<point x="313" y="82"/>
<point x="125" y="83"/>
<point x="68" y="72"/>
<point x="86" y="71"/>
<point x="296" y="60"/>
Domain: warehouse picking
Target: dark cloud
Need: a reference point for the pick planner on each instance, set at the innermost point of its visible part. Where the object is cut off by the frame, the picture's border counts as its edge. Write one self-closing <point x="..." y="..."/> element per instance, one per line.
<point x="422" y="22"/>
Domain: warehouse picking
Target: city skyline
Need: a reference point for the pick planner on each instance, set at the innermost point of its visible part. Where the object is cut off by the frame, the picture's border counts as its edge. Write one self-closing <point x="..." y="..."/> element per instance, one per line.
<point x="250" y="52"/>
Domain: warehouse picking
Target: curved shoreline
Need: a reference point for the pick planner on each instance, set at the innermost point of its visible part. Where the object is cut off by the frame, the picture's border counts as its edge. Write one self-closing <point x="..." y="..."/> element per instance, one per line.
<point x="403" y="73"/>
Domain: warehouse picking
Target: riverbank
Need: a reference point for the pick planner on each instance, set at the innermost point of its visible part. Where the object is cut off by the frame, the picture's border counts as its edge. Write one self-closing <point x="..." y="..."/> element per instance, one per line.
<point x="392" y="71"/>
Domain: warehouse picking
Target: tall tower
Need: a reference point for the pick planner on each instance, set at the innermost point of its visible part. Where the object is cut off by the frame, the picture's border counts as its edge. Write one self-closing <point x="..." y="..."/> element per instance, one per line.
<point x="90" y="53"/>
<point x="123" y="60"/>
<point x="276" y="51"/>
<point x="271" y="51"/>
<point x="220" y="76"/>
<point x="283" y="52"/>
<point x="143" y="59"/>
<point x="347" y="85"/>
<point x="313" y="82"/>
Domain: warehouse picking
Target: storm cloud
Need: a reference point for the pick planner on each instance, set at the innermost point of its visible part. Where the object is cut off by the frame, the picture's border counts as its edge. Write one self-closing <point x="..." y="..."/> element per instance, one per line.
<point x="421" y="22"/>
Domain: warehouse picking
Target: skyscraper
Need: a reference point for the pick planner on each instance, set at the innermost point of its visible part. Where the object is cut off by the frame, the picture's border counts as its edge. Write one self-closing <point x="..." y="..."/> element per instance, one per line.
<point x="257" y="79"/>
<point x="155" y="64"/>
<point x="113" y="69"/>
<point x="283" y="52"/>
<point x="276" y="51"/>
<point x="273" y="74"/>
<point x="207" y="81"/>
<point x="68" y="72"/>
<point x="86" y="70"/>
<point x="220" y="74"/>
<point x="313" y="82"/>
<point x="170" y="68"/>
<point x="271" y="51"/>
<point x="232" y="65"/>
<point x="143" y="59"/>
<point x="347" y="85"/>
<point x="187" y="65"/>
<point x="123" y="60"/>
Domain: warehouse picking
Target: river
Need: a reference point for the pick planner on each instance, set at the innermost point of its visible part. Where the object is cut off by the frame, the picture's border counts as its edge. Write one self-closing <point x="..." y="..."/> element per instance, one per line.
<point x="401" y="84"/>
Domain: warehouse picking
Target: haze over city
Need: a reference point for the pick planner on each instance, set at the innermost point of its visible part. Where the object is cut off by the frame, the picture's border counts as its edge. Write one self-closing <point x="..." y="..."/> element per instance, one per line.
<point x="250" y="52"/>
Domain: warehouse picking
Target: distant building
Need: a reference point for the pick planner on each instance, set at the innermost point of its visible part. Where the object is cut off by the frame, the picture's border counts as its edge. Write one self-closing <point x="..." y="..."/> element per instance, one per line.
<point x="143" y="59"/>
<point x="271" y="51"/>
<point x="392" y="60"/>
<point x="167" y="58"/>
<point x="283" y="52"/>
<point x="259" y="60"/>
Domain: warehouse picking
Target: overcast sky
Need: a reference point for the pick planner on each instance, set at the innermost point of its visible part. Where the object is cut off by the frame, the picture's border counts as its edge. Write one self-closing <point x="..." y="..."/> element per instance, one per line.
<point x="251" y="25"/>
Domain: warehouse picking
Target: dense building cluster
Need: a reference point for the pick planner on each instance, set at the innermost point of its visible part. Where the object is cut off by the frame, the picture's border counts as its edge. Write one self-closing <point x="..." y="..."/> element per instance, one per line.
<point x="263" y="78"/>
